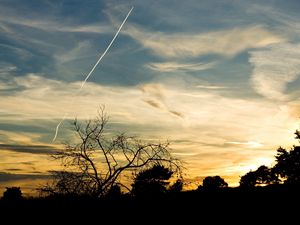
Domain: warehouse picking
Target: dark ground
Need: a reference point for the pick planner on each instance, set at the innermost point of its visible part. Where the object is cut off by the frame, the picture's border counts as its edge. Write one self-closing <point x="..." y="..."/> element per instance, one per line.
<point x="229" y="205"/>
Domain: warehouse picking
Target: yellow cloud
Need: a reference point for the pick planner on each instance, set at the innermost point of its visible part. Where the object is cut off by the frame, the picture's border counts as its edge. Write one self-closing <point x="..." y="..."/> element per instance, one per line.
<point x="210" y="121"/>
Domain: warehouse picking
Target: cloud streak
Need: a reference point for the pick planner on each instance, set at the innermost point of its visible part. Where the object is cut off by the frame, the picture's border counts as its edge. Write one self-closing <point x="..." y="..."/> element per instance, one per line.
<point x="31" y="149"/>
<point x="174" y="66"/>
<point x="157" y="98"/>
<point x="226" y="42"/>
<point x="50" y="24"/>
<point x="5" y="177"/>
<point x="247" y="144"/>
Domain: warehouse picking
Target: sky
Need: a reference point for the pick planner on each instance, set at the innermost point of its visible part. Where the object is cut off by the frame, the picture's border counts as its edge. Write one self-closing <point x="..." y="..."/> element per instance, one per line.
<point x="218" y="79"/>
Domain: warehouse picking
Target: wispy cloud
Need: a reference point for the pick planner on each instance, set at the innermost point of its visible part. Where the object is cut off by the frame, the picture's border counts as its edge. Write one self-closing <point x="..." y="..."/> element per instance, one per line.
<point x="76" y="53"/>
<point x="4" y="177"/>
<point x="50" y="24"/>
<point x="6" y="68"/>
<point x="177" y="113"/>
<point x="175" y="66"/>
<point x="225" y="42"/>
<point x="287" y="22"/>
<point x="211" y="87"/>
<point x="32" y="149"/>
<point x="153" y="103"/>
<point x="206" y="116"/>
<point x="156" y="96"/>
<point x="274" y="68"/>
<point x="247" y="144"/>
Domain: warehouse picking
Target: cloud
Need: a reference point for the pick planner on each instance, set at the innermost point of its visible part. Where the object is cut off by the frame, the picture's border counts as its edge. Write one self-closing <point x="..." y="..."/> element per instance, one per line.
<point x="225" y="42"/>
<point x="49" y="24"/>
<point x="287" y="20"/>
<point x="186" y="113"/>
<point x="6" y="68"/>
<point x="153" y="103"/>
<point x="32" y="149"/>
<point x="156" y="96"/>
<point x="275" y="67"/>
<point x="212" y="87"/>
<point x="82" y="48"/>
<point x="13" y="169"/>
<point x="174" y="66"/>
<point x="153" y="90"/>
<point x="247" y="144"/>
<point x="5" y="177"/>
<point x="179" y="114"/>
<point x="21" y="52"/>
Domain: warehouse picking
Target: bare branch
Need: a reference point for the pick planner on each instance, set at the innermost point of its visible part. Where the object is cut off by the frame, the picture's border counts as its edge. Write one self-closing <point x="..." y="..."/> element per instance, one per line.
<point x="95" y="164"/>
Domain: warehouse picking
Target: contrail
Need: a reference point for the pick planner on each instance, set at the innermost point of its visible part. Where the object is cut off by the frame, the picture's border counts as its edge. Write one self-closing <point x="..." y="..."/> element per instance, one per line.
<point x="104" y="53"/>
<point x="94" y="67"/>
<point x="57" y="127"/>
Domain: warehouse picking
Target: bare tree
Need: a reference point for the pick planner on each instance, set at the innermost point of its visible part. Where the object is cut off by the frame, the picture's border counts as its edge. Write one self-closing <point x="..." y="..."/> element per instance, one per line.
<point x="99" y="160"/>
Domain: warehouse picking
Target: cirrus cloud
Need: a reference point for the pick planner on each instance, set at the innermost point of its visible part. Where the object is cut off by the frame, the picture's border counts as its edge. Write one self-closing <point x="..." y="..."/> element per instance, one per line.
<point x="225" y="42"/>
<point x="175" y="66"/>
<point x="275" y="67"/>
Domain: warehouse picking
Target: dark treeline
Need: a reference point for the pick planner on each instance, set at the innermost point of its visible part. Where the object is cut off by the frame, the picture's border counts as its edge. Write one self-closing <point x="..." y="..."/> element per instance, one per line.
<point x="90" y="182"/>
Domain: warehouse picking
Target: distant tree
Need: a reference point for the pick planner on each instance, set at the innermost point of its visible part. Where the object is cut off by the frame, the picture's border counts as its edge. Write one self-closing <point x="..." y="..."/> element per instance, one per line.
<point x="97" y="162"/>
<point x="213" y="183"/>
<point x="152" y="181"/>
<point x="12" y="194"/>
<point x="262" y="176"/>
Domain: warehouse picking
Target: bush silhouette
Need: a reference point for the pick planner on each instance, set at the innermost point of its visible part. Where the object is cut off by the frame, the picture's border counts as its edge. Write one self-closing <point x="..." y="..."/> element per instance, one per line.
<point x="12" y="194"/>
<point x="152" y="181"/>
<point x="213" y="183"/>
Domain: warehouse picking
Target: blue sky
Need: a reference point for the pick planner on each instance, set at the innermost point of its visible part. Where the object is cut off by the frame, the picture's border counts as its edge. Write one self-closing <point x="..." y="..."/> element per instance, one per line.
<point x="219" y="79"/>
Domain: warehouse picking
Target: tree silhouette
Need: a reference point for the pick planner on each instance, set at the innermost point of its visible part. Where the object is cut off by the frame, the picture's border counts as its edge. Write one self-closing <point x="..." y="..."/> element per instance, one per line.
<point x="262" y="176"/>
<point x="288" y="165"/>
<point x="213" y="183"/>
<point x="97" y="162"/>
<point x="152" y="181"/>
<point x="12" y="194"/>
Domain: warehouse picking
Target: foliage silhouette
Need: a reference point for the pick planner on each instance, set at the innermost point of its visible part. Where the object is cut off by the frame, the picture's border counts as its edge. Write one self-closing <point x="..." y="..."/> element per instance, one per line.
<point x="262" y="176"/>
<point x="152" y="181"/>
<point x="12" y="194"/>
<point x="286" y="170"/>
<point x="98" y="161"/>
<point x="288" y="165"/>
<point x="211" y="183"/>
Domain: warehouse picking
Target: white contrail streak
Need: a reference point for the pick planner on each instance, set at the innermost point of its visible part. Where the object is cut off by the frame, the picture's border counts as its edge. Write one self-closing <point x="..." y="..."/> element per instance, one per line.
<point x="94" y="67"/>
<point x="108" y="47"/>
<point x="57" y="127"/>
